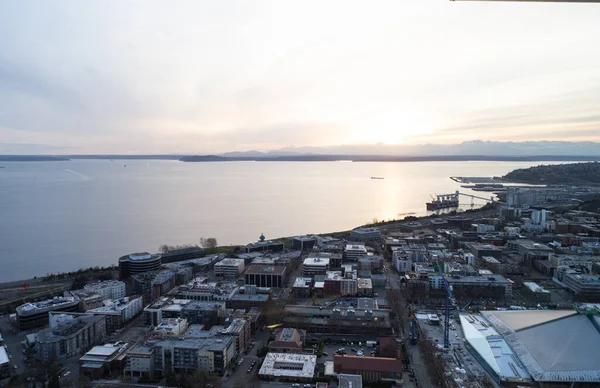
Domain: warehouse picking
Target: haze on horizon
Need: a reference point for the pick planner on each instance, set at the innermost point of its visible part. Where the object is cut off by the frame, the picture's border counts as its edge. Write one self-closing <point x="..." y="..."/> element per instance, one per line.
<point x="218" y="76"/>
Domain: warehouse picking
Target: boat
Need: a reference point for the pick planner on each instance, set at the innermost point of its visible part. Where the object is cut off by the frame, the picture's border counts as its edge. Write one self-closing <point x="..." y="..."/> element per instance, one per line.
<point x="377" y="177"/>
<point x="443" y="201"/>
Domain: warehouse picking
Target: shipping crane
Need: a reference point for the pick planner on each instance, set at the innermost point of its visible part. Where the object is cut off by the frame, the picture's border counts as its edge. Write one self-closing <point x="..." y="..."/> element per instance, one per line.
<point x="449" y="301"/>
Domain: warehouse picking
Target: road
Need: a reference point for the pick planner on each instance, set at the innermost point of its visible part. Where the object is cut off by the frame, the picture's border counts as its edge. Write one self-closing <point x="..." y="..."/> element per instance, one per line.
<point x="240" y="374"/>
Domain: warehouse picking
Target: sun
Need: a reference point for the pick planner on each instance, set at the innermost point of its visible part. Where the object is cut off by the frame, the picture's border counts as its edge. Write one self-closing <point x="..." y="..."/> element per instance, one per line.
<point x="394" y="127"/>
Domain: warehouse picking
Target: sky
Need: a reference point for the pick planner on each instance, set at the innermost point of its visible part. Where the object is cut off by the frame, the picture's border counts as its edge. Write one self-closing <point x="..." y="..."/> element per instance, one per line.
<point x="84" y="77"/>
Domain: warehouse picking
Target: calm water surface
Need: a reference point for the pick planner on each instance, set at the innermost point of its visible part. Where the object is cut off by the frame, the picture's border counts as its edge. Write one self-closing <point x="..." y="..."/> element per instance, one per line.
<point x="60" y="216"/>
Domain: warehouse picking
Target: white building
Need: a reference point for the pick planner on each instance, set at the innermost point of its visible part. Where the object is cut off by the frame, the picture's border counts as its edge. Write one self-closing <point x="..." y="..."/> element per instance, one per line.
<point x="402" y="262"/>
<point x="289" y="365"/>
<point x="127" y="307"/>
<point x="353" y="252"/>
<point x="229" y="268"/>
<point x="109" y="289"/>
<point x="140" y="362"/>
<point x="315" y="266"/>
<point x="172" y="326"/>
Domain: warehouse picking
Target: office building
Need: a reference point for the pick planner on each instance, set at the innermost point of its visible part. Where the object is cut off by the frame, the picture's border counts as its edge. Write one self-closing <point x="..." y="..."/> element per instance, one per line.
<point x="264" y="245"/>
<point x="229" y="268"/>
<point x="138" y="263"/>
<point x="170" y="327"/>
<point x="266" y="276"/>
<point x="109" y="289"/>
<point x="585" y="287"/>
<point x="304" y="243"/>
<point x="364" y="287"/>
<point x="353" y="252"/>
<point x="163" y="282"/>
<point x="87" y="300"/>
<point x="365" y="234"/>
<point x="480" y="250"/>
<point x="325" y="319"/>
<point x="33" y="315"/>
<point x="70" y="336"/>
<point x="315" y="266"/>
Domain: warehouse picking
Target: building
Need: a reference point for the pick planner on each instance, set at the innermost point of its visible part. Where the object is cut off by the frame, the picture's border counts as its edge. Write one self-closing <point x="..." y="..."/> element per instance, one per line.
<point x="353" y="252"/>
<point x="142" y="282"/>
<point x="140" y="362"/>
<point x="349" y="381"/>
<point x="287" y="340"/>
<point x="109" y="289"/>
<point x="288" y="365"/>
<point x="585" y="287"/>
<point x="162" y="283"/>
<point x="530" y="250"/>
<point x="118" y="312"/>
<point x="546" y="346"/>
<point x="315" y="266"/>
<point x="369" y="368"/>
<point x="4" y="363"/>
<point x="103" y="358"/>
<point x="364" y="287"/>
<point x="87" y="300"/>
<point x="229" y="268"/>
<point x="302" y="287"/>
<point x="538" y="292"/>
<point x="172" y="326"/>
<point x="138" y="263"/>
<point x="364" y="234"/>
<point x="325" y="319"/>
<point x="489" y="286"/>
<point x="200" y="289"/>
<point x="480" y="250"/>
<point x="210" y="354"/>
<point x="349" y="284"/>
<point x="304" y="243"/>
<point x="33" y="315"/>
<point x="246" y="301"/>
<point x="266" y="276"/>
<point x="206" y="313"/>
<point x="182" y="254"/>
<point x="369" y="263"/>
<point x="71" y="336"/>
<point x="264" y="245"/>
<point x="239" y="329"/>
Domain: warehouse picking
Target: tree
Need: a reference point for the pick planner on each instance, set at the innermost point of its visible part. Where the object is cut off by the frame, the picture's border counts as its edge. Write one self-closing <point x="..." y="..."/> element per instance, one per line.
<point x="164" y="248"/>
<point x="208" y="243"/>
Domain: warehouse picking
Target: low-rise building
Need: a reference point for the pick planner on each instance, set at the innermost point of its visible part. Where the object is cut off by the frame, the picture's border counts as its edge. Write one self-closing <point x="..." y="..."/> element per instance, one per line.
<point x="229" y="268"/>
<point x="324" y="319"/>
<point x="103" y="358"/>
<point x="4" y="363"/>
<point x="71" y="336"/>
<point x="315" y="266"/>
<point x="304" y="243"/>
<point x="266" y="276"/>
<point x="364" y="234"/>
<point x="302" y="287"/>
<point x="140" y="362"/>
<point x="287" y="340"/>
<point x="353" y="252"/>
<point x="118" y="312"/>
<point x="349" y="381"/>
<point x="288" y="365"/>
<point x="239" y="329"/>
<point x="365" y="287"/>
<point x="172" y="326"/>
<point x="480" y="250"/>
<point x="264" y="245"/>
<point x="537" y="291"/>
<point x="33" y="315"/>
<point x="87" y="300"/>
<point x="371" y="369"/>
<point x="585" y="287"/>
<point x="109" y="289"/>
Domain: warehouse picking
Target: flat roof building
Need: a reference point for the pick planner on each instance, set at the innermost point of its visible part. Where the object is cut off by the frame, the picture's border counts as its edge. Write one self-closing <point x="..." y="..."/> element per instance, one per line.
<point x="136" y="263"/>
<point x="229" y="268"/>
<point x="266" y="276"/>
<point x="349" y="381"/>
<point x="364" y="234"/>
<point x="369" y="368"/>
<point x="353" y="252"/>
<point x="288" y="340"/>
<point x="33" y="315"/>
<point x="304" y="243"/>
<point x="289" y="365"/>
<point x="109" y="289"/>
<point x="315" y="266"/>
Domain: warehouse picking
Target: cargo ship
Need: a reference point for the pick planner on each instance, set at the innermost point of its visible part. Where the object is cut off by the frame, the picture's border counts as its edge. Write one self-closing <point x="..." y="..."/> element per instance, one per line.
<point x="443" y="201"/>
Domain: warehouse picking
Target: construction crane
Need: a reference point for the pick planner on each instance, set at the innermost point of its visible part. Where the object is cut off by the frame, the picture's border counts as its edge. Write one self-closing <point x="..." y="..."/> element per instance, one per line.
<point x="491" y="199"/>
<point x="449" y="301"/>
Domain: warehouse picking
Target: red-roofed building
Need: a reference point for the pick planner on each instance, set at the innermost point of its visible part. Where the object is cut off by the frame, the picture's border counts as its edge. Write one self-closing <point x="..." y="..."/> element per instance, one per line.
<point x="288" y="340"/>
<point x="370" y="368"/>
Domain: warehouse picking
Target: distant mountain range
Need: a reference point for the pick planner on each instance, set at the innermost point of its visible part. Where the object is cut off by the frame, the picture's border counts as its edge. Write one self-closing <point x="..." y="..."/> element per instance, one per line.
<point x="475" y="147"/>
<point x="469" y="150"/>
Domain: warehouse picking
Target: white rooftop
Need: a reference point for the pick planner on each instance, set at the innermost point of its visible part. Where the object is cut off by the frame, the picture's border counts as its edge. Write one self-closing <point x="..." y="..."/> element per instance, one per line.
<point x="317" y="261"/>
<point x="289" y="365"/>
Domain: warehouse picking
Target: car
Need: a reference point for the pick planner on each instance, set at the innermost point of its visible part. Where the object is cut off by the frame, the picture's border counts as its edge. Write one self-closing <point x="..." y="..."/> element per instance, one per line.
<point x="295" y="385"/>
<point x="14" y="366"/>
<point x="249" y="370"/>
<point x="253" y="363"/>
<point x="307" y="385"/>
<point x="67" y="373"/>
